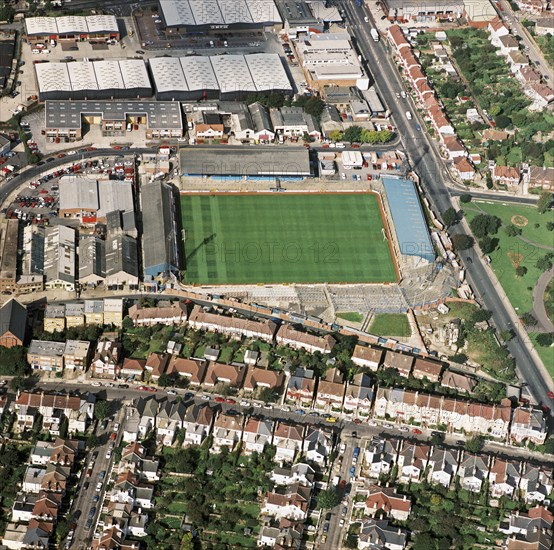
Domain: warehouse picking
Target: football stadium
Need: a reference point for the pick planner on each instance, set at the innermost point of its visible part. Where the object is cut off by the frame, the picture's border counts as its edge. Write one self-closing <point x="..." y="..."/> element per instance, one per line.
<point x="270" y="238"/>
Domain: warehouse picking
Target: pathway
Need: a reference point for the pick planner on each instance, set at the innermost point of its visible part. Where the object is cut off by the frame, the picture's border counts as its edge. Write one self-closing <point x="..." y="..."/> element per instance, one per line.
<point x="539" y="310"/>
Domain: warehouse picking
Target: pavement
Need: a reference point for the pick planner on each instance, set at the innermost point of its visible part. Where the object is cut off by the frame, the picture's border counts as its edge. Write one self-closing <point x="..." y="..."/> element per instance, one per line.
<point x="539" y="309"/>
<point x="426" y="162"/>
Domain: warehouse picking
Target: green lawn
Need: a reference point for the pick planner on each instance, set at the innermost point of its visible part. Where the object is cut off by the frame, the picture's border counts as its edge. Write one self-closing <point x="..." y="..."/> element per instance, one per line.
<point x="390" y="324"/>
<point x="546" y="354"/>
<point x="285" y="238"/>
<point x="351" y="316"/>
<point x="512" y="251"/>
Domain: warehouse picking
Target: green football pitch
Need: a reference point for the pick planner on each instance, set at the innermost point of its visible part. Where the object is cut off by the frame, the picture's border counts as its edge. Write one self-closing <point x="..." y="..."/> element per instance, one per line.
<point x="285" y="238"/>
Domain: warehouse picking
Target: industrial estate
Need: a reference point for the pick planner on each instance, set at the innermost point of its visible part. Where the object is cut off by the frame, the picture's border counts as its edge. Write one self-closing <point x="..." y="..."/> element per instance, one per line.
<point x="276" y="274"/>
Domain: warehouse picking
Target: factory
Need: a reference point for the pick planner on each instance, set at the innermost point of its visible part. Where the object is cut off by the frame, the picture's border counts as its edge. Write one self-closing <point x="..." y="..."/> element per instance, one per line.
<point x="106" y="79"/>
<point x="226" y="77"/>
<point x="71" y="28"/>
<point x="202" y="16"/>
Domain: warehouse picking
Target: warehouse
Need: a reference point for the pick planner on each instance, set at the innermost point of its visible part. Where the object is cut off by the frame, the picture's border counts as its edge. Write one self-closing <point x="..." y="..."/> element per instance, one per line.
<point x="251" y="162"/>
<point x="421" y="11"/>
<point x="227" y="77"/>
<point x="159" y="232"/>
<point x="106" y="79"/>
<point x="59" y="257"/>
<point x="201" y="16"/>
<point x="410" y="227"/>
<point x="64" y="119"/>
<point x="90" y="201"/>
<point x="7" y="50"/>
<point x="71" y="28"/>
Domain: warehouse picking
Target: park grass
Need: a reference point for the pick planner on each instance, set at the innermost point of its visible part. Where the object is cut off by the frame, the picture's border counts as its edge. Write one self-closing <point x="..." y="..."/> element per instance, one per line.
<point x="285" y="238"/>
<point x="510" y="249"/>
<point x="391" y="324"/>
<point x="546" y="354"/>
<point x="351" y="316"/>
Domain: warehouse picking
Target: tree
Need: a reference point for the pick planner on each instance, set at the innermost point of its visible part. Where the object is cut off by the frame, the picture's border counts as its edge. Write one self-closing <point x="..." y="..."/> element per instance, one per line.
<point x="6" y="12"/>
<point x="336" y="135"/>
<point x="503" y="121"/>
<point x="549" y="445"/>
<point x="544" y="202"/>
<point x="480" y="315"/>
<point x="488" y="244"/>
<point x="127" y="323"/>
<point x="528" y="319"/>
<point x="461" y="241"/>
<point x="449" y="216"/>
<point x="165" y="380"/>
<point x="62" y="529"/>
<point x="437" y="439"/>
<point x="17" y="383"/>
<point x="544" y="263"/>
<point x="512" y="230"/>
<point x="475" y="444"/>
<point x="485" y="224"/>
<point x="465" y="198"/>
<point x="545" y="339"/>
<point x="353" y="134"/>
<point x="550" y="226"/>
<point x="13" y="361"/>
<point x="351" y="541"/>
<point x="327" y="499"/>
<point x="521" y="270"/>
<point x="92" y="440"/>
<point x="102" y="409"/>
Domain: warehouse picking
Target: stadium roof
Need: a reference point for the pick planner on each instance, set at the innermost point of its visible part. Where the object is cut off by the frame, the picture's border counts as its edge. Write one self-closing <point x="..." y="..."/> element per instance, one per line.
<point x="227" y="73"/>
<point x="127" y="74"/>
<point x="408" y="219"/>
<point x="182" y="13"/>
<point x="71" y="24"/>
<point x="161" y="115"/>
<point x="245" y="161"/>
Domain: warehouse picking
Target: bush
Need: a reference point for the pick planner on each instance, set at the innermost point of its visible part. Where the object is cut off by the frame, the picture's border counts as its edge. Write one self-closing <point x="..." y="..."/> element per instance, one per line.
<point x="465" y="198"/>
<point x="475" y="444"/>
<point x="512" y="230"/>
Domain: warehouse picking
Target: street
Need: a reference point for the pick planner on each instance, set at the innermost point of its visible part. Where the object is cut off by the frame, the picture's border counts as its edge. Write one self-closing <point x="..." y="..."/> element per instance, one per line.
<point x="429" y="166"/>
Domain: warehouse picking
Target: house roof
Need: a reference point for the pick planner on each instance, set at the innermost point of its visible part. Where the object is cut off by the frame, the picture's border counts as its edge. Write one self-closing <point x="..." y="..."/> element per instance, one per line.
<point x="13" y="318"/>
<point x="387" y="499"/>
<point x="505" y="172"/>
<point x="136" y="365"/>
<point x="325" y="343"/>
<point x="191" y="368"/>
<point x="288" y="431"/>
<point x="458" y="381"/>
<point x="176" y="309"/>
<point x="43" y="399"/>
<point x="220" y="372"/>
<point x="263" y="377"/>
<point x="399" y="361"/>
<point x="156" y="363"/>
<point x="427" y="367"/>
<point x="463" y="165"/>
<point x="367" y="353"/>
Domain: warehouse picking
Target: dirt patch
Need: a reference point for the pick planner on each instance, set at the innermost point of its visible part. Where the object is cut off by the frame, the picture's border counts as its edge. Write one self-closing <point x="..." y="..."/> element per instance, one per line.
<point x="515" y="258"/>
<point x="520" y="221"/>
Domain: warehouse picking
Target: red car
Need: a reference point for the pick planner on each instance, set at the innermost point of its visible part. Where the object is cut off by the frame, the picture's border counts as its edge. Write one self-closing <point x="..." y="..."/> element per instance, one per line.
<point x="357" y="421"/>
<point x="416" y="431"/>
<point x="231" y="401"/>
<point x="219" y="400"/>
<point x="550" y="394"/>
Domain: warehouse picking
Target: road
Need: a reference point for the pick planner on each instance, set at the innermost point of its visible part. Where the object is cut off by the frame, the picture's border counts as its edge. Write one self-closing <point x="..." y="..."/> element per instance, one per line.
<point x="427" y="164"/>
<point x="84" y="499"/>
<point x="532" y="50"/>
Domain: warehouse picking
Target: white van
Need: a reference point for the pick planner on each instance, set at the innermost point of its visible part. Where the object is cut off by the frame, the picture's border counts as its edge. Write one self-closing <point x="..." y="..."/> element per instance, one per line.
<point x="35" y="51"/>
<point x="408" y="115"/>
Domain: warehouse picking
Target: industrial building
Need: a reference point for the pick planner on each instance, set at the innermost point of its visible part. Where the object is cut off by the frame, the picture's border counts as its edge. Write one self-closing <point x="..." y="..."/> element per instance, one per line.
<point x="300" y="16"/>
<point x="201" y="16"/>
<point x="8" y="255"/>
<point x="92" y="260"/>
<point x="106" y="79"/>
<point x="64" y="119"/>
<point x="71" y="28"/>
<point x="59" y="257"/>
<point x="328" y="59"/>
<point x="250" y="162"/>
<point x="7" y="50"/>
<point x="122" y="262"/>
<point x="410" y="227"/>
<point x="90" y="200"/>
<point x="227" y="77"/>
<point x="159" y="232"/>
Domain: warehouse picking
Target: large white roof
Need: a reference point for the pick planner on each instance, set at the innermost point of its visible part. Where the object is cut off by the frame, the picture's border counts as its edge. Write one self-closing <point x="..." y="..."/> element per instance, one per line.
<point x="228" y="73"/>
<point x="267" y="72"/>
<point x="218" y="12"/>
<point x="168" y="74"/>
<point x="92" y="75"/>
<point x="232" y="73"/>
<point x="71" y="24"/>
<point x="199" y="73"/>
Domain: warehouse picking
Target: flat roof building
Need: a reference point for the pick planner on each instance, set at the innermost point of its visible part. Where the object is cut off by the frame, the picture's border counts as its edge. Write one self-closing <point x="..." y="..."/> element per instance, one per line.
<point x="9" y="231"/>
<point x="105" y="79"/>
<point x="92" y="260"/>
<point x="64" y="118"/>
<point x="239" y="161"/>
<point x="217" y="77"/>
<point x="159" y="231"/>
<point x="122" y="266"/>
